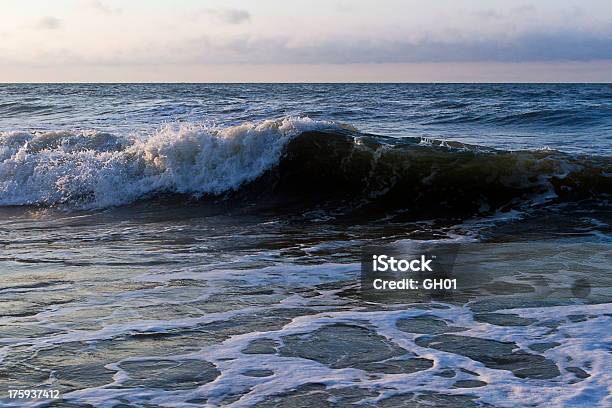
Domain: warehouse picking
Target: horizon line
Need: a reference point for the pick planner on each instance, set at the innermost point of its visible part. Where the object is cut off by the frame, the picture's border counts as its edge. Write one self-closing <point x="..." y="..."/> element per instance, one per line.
<point x="305" y="83"/>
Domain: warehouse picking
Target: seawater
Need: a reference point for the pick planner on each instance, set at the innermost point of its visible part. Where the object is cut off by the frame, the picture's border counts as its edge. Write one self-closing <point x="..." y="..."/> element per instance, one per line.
<point x="194" y="244"/>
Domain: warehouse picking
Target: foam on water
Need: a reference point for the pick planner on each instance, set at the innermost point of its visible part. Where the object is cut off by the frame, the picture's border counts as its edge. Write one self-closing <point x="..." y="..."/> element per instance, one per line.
<point x="583" y="344"/>
<point x="96" y="170"/>
<point x="579" y="335"/>
<point x="88" y="292"/>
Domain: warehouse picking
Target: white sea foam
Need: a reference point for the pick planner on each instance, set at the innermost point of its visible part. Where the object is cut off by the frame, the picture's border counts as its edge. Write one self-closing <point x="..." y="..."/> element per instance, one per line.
<point x="581" y="343"/>
<point x="96" y="170"/>
<point x="585" y="342"/>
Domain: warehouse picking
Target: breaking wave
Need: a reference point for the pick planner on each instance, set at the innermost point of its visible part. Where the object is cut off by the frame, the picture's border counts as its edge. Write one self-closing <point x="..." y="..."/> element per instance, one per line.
<point x="294" y="158"/>
<point x="96" y="170"/>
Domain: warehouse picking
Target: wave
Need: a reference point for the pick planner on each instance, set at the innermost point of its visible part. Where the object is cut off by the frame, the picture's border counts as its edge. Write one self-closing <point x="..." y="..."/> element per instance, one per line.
<point x="372" y="174"/>
<point x="554" y="118"/>
<point x="97" y="170"/>
<point x="297" y="159"/>
<point x="15" y="108"/>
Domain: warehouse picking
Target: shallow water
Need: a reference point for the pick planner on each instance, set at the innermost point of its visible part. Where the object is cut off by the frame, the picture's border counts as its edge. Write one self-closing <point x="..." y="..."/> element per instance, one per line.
<point x="178" y="283"/>
<point x="199" y="306"/>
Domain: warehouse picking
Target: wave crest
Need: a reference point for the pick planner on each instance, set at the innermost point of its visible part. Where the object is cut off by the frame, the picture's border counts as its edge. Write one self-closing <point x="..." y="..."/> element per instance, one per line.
<point x="295" y="159"/>
<point x="97" y="170"/>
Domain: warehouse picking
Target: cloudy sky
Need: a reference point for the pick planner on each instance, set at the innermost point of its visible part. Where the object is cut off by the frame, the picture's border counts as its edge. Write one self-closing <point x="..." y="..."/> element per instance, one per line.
<point x="305" y="40"/>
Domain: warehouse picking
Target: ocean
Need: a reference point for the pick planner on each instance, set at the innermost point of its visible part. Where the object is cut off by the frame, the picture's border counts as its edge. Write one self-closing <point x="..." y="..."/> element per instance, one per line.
<point x="201" y="244"/>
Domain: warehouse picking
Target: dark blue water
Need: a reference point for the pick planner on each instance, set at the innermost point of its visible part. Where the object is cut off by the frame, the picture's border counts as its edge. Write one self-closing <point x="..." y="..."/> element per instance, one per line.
<point x="566" y="117"/>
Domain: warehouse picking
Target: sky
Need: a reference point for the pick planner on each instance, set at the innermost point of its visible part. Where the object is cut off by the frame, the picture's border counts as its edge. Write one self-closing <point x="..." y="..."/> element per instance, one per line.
<point x="306" y="41"/>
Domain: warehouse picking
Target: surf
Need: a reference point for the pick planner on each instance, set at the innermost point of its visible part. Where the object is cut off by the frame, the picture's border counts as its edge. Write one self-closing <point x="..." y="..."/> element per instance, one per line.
<point x="290" y="159"/>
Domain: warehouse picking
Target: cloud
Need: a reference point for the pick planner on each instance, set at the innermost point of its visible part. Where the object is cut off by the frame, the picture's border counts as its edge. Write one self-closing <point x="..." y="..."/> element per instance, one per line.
<point x="343" y="6"/>
<point x="513" y="13"/>
<point x="102" y="8"/>
<point x="537" y="47"/>
<point x="49" y="23"/>
<point x="230" y="16"/>
<point x="527" y="47"/>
